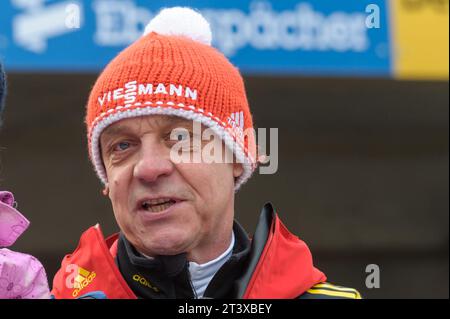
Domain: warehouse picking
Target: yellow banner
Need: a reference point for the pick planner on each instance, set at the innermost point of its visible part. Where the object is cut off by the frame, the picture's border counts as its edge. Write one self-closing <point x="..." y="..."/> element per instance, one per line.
<point x="420" y="39"/>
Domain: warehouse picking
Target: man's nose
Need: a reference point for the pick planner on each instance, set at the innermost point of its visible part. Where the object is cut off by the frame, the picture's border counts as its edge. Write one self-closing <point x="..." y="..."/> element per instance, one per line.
<point x="154" y="162"/>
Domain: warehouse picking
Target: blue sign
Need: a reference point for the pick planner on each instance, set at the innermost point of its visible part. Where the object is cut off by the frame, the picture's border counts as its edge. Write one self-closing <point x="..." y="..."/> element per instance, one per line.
<point x="320" y="37"/>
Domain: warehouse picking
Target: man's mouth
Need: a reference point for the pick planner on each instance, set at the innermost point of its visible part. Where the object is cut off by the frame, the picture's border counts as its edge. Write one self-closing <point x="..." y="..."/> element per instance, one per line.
<point x="157" y="205"/>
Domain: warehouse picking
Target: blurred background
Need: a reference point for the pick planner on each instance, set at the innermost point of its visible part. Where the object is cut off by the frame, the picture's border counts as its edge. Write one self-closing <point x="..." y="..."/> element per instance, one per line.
<point x="357" y="89"/>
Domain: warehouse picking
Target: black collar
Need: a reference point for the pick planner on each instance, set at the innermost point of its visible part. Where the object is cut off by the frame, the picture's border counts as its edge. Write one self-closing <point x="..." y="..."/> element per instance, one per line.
<point x="169" y="277"/>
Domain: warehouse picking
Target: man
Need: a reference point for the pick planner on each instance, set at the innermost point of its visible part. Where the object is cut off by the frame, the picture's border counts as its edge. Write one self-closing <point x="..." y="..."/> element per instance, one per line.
<point x="178" y="238"/>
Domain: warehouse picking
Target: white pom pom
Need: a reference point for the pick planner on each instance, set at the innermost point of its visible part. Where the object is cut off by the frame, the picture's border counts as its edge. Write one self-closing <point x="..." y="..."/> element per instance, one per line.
<point x="181" y="21"/>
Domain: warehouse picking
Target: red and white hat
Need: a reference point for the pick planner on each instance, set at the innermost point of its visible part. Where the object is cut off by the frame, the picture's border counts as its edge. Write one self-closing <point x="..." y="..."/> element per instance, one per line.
<point x="173" y="70"/>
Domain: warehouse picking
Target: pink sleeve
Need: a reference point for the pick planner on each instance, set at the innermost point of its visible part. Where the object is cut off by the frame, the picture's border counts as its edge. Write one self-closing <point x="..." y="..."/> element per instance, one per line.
<point x="21" y="275"/>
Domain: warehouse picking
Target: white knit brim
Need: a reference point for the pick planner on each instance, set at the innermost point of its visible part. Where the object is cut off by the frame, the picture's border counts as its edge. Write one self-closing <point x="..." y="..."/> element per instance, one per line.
<point x="103" y="121"/>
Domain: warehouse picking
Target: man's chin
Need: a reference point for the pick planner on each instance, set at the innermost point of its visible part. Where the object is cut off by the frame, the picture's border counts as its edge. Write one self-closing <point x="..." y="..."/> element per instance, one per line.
<point x="167" y="248"/>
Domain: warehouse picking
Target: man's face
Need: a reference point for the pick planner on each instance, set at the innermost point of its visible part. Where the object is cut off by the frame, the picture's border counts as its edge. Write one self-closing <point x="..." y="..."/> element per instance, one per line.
<point x="164" y="207"/>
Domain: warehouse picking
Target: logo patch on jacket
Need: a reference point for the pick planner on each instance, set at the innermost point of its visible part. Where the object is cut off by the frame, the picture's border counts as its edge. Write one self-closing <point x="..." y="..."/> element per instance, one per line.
<point x="144" y="282"/>
<point x="78" y="279"/>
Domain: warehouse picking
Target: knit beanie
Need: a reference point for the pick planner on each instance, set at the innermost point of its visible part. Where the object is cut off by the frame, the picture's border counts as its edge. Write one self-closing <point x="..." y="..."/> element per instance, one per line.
<point x="2" y="90"/>
<point x="173" y="70"/>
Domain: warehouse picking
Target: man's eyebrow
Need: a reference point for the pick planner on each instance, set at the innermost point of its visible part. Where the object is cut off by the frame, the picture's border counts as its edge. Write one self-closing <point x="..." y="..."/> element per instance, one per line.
<point x="115" y="130"/>
<point x="174" y="122"/>
<point x="166" y="123"/>
<point x="177" y="120"/>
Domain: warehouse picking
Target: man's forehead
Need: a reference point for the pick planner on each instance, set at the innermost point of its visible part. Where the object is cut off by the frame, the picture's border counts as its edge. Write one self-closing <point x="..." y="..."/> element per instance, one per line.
<point x="143" y="122"/>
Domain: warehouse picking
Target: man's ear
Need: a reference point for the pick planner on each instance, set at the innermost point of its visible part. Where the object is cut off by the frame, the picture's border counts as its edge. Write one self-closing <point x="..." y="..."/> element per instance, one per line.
<point x="238" y="169"/>
<point x="105" y="191"/>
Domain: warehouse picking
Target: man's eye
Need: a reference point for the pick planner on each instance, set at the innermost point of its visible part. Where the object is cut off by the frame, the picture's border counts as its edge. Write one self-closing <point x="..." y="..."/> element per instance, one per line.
<point x="122" y="146"/>
<point x="180" y="135"/>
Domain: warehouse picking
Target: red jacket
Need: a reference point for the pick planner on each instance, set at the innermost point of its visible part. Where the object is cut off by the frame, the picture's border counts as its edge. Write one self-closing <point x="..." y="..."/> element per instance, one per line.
<point x="281" y="266"/>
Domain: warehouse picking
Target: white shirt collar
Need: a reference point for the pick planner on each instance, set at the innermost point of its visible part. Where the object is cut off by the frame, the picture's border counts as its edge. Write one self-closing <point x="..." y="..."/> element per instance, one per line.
<point x="201" y="274"/>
